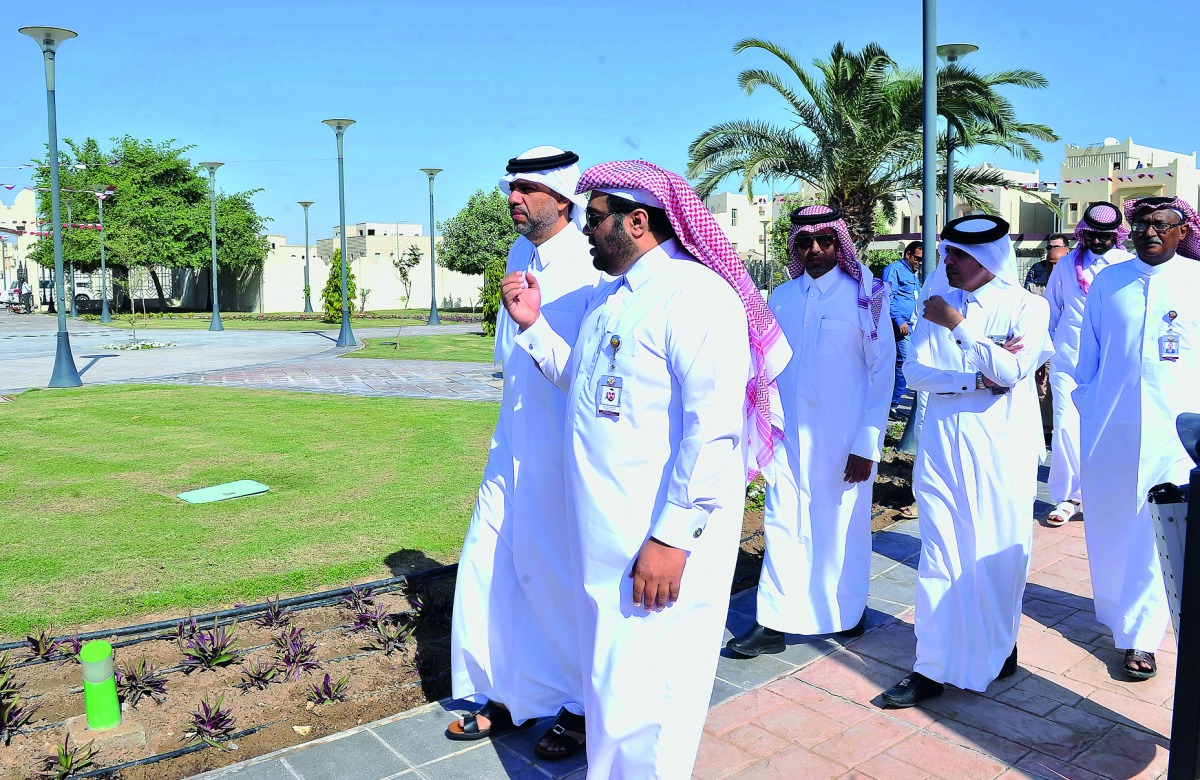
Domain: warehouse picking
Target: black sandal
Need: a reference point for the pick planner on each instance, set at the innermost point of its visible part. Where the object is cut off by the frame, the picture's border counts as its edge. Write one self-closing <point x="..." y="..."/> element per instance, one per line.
<point x="469" y="731"/>
<point x="565" y="745"/>
<point x="1132" y="656"/>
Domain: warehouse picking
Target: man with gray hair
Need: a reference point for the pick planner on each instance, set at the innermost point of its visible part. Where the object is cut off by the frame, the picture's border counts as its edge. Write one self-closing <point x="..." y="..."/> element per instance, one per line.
<point x="514" y="642"/>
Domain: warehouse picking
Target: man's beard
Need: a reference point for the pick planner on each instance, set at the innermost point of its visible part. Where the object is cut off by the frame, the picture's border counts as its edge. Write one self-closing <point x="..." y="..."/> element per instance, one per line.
<point x="613" y="258"/>
<point x="536" y="224"/>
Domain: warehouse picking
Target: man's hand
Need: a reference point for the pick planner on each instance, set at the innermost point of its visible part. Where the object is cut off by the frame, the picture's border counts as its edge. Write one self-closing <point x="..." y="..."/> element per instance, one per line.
<point x="858" y="469"/>
<point x="904" y="329"/>
<point x="1013" y="345"/>
<point x="937" y="311"/>
<point x="522" y="297"/>
<point x="657" y="572"/>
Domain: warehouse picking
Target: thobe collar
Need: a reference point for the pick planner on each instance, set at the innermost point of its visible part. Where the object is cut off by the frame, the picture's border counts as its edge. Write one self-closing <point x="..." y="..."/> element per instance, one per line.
<point x="982" y="295"/>
<point x="646" y="266"/>
<point x="545" y="253"/>
<point x="825" y="281"/>
<point x="1145" y="269"/>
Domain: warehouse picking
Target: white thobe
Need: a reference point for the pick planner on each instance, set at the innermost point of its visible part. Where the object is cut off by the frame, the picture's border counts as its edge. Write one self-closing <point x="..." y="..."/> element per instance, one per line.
<point x="975" y="478"/>
<point x="835" y="394"/>
<point x="1066" y="317"/>
<point x="1128" y="400"/>
<point x="514" y="638"/>
<point x="671" y="466"/>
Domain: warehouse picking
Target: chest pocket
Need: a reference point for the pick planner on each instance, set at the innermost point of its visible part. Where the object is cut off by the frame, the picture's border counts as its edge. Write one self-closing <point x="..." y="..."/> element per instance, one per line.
<point x="834" y="337"/>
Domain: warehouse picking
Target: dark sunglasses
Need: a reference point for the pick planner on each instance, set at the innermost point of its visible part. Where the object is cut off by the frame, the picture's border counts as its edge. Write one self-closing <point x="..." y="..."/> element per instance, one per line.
<point x="824" y="240"/>
<point x="593" y="218"/>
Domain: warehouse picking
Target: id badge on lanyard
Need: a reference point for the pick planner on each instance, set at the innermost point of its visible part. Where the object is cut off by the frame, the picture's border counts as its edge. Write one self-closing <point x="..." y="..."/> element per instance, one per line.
<point x="1168" y="343"/>
<point x="608" y="390"/>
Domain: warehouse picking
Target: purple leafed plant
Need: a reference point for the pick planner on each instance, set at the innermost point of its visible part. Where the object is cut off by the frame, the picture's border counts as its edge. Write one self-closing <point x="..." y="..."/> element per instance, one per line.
<point x="388" y="635"/>
<point x="296" y="655"/>
<point x="185" y="630"/>
<point x="14" y="716"/>
<point x="210" y="649"/>
<point x="431" y="607"/>
<point x="257" y="677"/>
<point x="43" y="646"/>
<point x="274" y="616"/>
<point x="68" y="649"/>
<point x="358" y="599"/>
<point x="210" y="724"/>
<point x="328" y="691"/>
<point x="137" y="682"/>
<point x="369" y="618"/>
<point x="70" y="760"/>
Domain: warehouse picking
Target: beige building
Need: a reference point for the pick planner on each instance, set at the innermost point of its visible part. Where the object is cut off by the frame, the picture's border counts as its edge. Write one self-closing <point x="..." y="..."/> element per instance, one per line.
<point x="15" y="220"/>
<point x="1116" y="171"/>
<point x="742" y="220"/>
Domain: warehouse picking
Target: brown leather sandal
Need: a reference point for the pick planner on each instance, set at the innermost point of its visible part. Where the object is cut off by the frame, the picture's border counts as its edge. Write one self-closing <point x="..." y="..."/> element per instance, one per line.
<point x="1133" y="670"/>
<point x="466" y="729"/>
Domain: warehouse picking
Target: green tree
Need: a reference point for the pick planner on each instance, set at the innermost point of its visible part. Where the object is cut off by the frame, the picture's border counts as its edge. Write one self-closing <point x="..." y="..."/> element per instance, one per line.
<point x="476" y="240"/>
<point x="856" y="131"/>
<point x="157" y="216"/>
<point x="404" y="264"/>
<point x="331" y="294"/>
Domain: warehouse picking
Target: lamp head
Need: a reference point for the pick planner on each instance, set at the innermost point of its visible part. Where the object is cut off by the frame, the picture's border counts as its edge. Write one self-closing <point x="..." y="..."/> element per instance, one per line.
<point x="339" y="125"/>
<point x="212" y="167"/>
<point x="48" y="37"/>
<point x="953" y="52"/>
<point x="306" y="203"/>
<point x="431" y="172"/>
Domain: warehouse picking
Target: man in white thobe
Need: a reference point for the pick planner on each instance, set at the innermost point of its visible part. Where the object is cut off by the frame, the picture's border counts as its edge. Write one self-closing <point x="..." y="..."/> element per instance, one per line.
<point x="659" y="386"/>
<point x="1100" y="236"/>
<point x="1138" y="369"/>
<point x="974" y="351"/>
<point x="835" y="394"/>
<point x="514" y="641"/>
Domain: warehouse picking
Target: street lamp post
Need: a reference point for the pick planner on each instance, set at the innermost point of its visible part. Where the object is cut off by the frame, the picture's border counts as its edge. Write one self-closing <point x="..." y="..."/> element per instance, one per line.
<point x="212" y="201"/>
<point x="952" y="53"/>
<point x="767" y="259"/>
<point x="346" y="336"/>
<point x="72" y="304"/>
<point x="102" y="192"/>
<point x="433" y="312"/>
<point x="307" y="289"/>
<point x="48" y="38"/>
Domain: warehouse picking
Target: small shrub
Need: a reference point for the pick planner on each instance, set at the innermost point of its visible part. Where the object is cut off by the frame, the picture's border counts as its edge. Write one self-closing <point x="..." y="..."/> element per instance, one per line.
<point x="43" y="646"/>
<point x="296" y="655"/>
<point x="142" y="680"/>
<point x="14" y="716"/>
<point x="368" y="618"/>
<point x="185" y="630"/>
<point x="70" y="760"/>
<point x="257" y="677"/>
<point x="390" y="635"/>
<point x="68" y="649"/>
<point x="211" y="649"/>
<point x="328" y="691"/>
<point x="357" y="599"/>
<point x="210" y="724"/>
<point x="274" y="616"/>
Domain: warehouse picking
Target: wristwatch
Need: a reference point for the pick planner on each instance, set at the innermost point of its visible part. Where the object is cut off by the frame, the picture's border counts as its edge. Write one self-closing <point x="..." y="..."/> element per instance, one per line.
<point x="979" y="385"/>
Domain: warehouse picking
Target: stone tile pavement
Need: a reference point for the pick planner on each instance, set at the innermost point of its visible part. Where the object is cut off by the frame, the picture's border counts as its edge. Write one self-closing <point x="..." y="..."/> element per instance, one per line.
<point x="814" y="710"/>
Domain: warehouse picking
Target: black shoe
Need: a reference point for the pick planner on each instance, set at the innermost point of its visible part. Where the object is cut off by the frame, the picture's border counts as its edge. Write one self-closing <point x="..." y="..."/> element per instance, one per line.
<point x="756" y="641"/>
<point x="858" y="629"/>
<point x="1010" y="666"/>
<point x="912" y="690"/>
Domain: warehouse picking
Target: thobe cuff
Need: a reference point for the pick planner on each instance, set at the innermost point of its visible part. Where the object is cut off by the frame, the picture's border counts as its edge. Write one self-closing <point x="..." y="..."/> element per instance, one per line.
<point x="679" y="526"/>
<point x="536" y="339"/>
<point x="868" y="444"/>
<point x="965" y="335"/>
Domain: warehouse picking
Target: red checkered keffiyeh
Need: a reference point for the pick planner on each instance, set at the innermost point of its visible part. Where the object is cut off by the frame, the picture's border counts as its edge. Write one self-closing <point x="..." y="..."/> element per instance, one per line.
<point x="1190" y="246"/>
<point x="869" y="301"/>
<point x="703" y="238"/>
<point x="1103" y="215"/>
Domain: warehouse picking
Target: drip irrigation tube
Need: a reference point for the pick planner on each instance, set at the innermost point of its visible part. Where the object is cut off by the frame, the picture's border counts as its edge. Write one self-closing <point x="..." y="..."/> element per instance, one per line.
<point x="309" y="600"/>
<point x="183" y="751"/>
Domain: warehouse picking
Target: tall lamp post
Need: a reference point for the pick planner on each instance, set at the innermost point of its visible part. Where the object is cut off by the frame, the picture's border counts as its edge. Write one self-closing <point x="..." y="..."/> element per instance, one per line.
<point x="433" y="312"/>
<point x="307" y="289"/>
<point x="952" y="53"/>
<point x="103" y="191"/>
<point x="48" y="38"/>
<point x="212" y="201"/>
<point x="346" y="336"/>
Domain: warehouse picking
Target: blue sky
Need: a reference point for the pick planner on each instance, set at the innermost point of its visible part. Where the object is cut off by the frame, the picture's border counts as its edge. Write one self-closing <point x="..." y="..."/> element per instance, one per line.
<point x="463" y="86"/>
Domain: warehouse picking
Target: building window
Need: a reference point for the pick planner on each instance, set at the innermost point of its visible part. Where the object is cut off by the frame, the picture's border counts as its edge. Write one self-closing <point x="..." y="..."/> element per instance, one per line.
<point x="735" y="246"/>
<point x="371" y="231"/>
<point x="1073" y="212"/>
<point x="760" y="239"/>
<point x="272" y="244"/>
<point x="733" y="218"/>
<point x="761" y="211"/>
<point x="906" y="224"/>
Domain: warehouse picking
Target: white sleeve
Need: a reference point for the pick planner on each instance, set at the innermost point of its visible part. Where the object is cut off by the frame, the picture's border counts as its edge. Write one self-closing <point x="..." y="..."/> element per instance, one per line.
<point x="881" y="378"/>
<point x="549" y="351"/>
<point x="919" y="371"/>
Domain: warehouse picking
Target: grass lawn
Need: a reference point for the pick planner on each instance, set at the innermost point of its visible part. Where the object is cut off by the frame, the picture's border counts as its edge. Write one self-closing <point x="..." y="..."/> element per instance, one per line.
<point x="202" y="322"/>
<point x="459" y="347"/>
<point x="92" y="528"/>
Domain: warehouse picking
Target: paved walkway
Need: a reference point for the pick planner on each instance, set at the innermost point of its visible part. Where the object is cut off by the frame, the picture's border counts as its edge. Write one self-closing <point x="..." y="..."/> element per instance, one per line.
<point x="814" y="710"/>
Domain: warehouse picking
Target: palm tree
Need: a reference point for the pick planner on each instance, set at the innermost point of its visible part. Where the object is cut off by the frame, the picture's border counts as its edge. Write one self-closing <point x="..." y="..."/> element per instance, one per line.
<point x="856" y="136"/>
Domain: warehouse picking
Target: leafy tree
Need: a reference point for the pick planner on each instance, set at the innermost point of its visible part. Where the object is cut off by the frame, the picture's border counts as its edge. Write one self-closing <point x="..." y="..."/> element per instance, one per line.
<point x="331" y="295"/>
<point x="476" y="241"/>
<point x="158" y="214"/>
<point x="856" y="134"/>
<point x="478" y="235"/>
<point x="404" y="264"/>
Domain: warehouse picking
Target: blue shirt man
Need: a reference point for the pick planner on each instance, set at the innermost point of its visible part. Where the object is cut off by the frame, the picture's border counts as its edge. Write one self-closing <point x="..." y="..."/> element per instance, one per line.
<point x="901" y="276"/>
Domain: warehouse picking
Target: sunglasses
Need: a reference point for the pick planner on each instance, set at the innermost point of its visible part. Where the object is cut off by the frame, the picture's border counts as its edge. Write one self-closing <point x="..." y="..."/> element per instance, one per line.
<point x="593" y="218"/>
<point x="1159" y="227"/>
<point x="824" y="240"/>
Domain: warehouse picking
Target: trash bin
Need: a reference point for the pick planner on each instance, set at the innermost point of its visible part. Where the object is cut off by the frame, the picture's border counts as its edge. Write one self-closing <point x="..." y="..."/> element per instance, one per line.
<point x="1168" y="511"/>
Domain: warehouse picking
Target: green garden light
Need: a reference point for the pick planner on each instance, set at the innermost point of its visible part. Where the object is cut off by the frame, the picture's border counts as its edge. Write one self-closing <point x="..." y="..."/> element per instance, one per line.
<point x="99" y="685"/>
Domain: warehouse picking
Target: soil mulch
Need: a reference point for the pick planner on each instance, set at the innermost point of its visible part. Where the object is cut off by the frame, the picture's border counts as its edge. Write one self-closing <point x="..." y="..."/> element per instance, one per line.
<point x="379" y="685"/>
